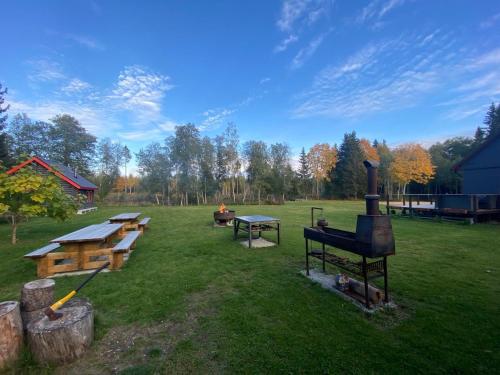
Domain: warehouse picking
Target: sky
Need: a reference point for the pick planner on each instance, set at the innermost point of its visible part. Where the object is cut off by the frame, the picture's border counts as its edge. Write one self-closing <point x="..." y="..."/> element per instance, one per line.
<point x="300" y="72"/>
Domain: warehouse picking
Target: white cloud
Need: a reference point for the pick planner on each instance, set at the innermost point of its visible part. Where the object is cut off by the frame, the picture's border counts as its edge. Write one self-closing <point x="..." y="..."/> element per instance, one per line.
<point x="291" y="12"/>
<point x="168" y="125"/>
<point x="379" y="77"/>
<point x="44" y="70"/>
<point x="76" y="85"/>
<point x="264" y="80"/>
<point x="138" y="89"/>
<point x="215" y="117"/>
<point x="489" y="58"/>
<point x="305" y="53"/>
<point x="285" y="43"/>
<point x="377" y="9"/>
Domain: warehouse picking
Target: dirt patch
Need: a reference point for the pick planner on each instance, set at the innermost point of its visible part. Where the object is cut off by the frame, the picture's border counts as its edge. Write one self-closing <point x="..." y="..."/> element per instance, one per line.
<point x="178" y="345"/>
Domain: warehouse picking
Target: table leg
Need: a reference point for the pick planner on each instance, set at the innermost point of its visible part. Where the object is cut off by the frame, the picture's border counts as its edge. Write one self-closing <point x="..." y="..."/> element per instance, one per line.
<point x="279" y="226"/>
<point x="235" y="229"/>
<point x="307" y="257"/>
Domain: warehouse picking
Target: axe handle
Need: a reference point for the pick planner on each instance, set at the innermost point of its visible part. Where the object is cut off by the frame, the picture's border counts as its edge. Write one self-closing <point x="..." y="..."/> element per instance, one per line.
<point x="57" y="305"/>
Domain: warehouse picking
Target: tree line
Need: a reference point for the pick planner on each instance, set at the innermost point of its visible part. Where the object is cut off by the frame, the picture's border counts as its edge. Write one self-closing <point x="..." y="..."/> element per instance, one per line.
<point x="188" y="168"/>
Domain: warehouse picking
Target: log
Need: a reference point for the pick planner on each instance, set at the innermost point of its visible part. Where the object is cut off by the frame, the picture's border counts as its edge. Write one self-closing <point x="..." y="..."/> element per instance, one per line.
<point x="358" y="287"/>
<point x="37" y="295"/>
<point x="29" y="316"/>
<point x="11" y="332"/>
<point x="65" y="339"/>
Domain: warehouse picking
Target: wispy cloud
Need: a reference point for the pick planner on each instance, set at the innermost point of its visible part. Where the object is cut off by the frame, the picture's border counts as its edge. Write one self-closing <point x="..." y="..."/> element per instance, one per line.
<point x="264" y="80"/>
<point x="86" y="41"/>
<point x="75" y="85"/>
<point x="43" y="70"/>
<point x="390" y="74"/>
<point x="283" y="45"/>
<point x="305" y="53"/>
<point x="215" y="117"/>
<point x="295" y="15"/>
<point x="490" y="22"/>
<point x="377" y="9"/>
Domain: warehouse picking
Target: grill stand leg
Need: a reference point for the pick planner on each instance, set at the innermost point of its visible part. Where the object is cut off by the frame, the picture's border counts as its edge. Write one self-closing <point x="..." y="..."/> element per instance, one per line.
<point x="365" y="276"/>
<point x="307" y="257"/>
<point x="250" y="236"/>
<point x="386" y="286"/>
<point x="279" y="233"/>
<point x="324" y="267"/>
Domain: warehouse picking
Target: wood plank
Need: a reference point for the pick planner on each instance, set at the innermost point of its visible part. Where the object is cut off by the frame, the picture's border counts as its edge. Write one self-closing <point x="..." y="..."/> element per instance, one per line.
<point x="43" y="251"/>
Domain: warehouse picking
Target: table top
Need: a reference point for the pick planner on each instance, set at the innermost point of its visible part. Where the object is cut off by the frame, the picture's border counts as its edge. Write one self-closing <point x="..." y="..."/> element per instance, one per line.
<point x="97" y="232"/>
<point x="256" y="219"/>
<point x="125" y="216"/>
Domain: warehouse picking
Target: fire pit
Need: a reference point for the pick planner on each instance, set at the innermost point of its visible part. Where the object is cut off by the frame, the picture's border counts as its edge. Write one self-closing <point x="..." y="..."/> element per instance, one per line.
<point x="223" y="216"/>
<point x="373" y="239"/>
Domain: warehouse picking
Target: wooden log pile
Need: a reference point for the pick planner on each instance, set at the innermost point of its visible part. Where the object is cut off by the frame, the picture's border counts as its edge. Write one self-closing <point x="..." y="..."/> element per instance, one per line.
<point x="11" y="333"/>
<point x="36" y="296"/>
<point x="51" y="342"/>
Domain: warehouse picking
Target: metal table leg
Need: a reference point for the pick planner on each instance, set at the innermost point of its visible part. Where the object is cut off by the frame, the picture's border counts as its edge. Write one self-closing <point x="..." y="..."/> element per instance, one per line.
<point x="249" y="236"/>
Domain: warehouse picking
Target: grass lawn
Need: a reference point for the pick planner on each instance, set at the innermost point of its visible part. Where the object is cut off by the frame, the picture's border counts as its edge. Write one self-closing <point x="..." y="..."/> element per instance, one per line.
<point x="190" y="299"/>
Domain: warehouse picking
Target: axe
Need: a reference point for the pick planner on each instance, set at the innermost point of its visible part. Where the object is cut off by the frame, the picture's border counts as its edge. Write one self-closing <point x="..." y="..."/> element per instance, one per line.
<point x="51" y="311"/>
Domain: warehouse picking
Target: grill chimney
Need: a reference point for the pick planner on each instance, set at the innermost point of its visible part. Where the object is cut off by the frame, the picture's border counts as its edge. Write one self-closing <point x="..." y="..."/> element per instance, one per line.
<point x="372" y="198"/>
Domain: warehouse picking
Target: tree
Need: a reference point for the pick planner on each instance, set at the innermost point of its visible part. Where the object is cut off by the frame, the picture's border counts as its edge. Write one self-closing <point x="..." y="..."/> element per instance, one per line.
<point x="350" y="178"/>
<point x="492" y="120"/>
<point x="207" y="166"/>
<point x="257" y="158"/>
<point x="321" y="159"/>
<point x="155" y="167"/>
<point x="184" y="149"/>
<point x="231" y="155"/>
<point x="4" y="147"/>
<point x="384" y="169"/>
<point x="27" y="194"/>
<point x="369" y="151"/>
<point x="412" y="163"/>
<point x="479" y="136"/>
<point x="281" y="170"/>
<point x="29" y="138"/>
<point x="71" y="144"/>
<point x="109" y="160"/>
<point x="304" y="173"/>
<point x="126" y="157"/>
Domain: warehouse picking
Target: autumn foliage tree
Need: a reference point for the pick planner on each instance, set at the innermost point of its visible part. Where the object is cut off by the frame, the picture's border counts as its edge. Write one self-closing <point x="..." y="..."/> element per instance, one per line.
<point x="322" y="159"/>
<point x="27" y="194"/>
<point x="369" y="151"/>
<point x="411" y="163"/>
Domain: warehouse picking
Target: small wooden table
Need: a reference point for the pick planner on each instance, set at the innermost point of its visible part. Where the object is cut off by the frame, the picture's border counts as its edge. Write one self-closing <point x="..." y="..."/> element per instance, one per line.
<point x="255" y="223"/>
<point x="128" y="219"/>
<point x="82" y="250"/>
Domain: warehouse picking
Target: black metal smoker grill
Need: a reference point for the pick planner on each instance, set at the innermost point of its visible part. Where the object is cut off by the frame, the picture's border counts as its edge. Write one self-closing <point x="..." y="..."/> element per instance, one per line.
<point x="373" y="239"/>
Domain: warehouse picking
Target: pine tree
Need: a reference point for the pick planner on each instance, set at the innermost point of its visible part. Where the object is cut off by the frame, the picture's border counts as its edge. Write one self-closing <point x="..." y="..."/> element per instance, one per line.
<point x="304" y="173"/>
<point x="479" y="136"/>
<point x="4" y="149"/>
<point x="491" y="120"/>
<point x="350" y="172"/>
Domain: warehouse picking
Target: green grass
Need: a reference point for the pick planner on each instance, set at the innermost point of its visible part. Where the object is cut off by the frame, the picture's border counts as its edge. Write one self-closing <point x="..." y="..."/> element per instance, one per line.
<point x="193" y="300"/>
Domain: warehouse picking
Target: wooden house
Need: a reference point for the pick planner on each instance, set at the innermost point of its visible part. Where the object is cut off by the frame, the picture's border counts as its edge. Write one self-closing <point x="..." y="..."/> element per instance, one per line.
<point x="70" y="180"/>
<point x="481" y="168"/>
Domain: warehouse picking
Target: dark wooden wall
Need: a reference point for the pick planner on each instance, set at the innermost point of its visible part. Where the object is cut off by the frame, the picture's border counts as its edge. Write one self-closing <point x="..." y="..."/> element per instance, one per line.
<point x="481" y="173"/>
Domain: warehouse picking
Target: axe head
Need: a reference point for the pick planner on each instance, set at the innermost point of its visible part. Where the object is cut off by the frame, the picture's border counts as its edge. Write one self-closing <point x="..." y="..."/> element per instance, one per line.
<point x="51" y="314"/>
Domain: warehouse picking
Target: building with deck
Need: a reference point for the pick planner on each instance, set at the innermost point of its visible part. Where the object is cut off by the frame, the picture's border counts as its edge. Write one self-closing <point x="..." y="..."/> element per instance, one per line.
<point x="481" y="169"/>
<point x="69" y="179"/>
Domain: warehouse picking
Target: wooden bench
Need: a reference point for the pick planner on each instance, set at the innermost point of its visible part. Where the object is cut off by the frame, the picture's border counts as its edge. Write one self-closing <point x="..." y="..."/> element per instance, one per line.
<point x="124" y="246"/>
<point x="143" y="224"/>
<point x="41" y="252"/>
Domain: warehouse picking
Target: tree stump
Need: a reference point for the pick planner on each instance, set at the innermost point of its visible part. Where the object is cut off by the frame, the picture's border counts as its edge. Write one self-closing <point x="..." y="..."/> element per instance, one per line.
<point x="65" y="339"/>
<point x="11" y="332"/>
<point x="37" y="295"/>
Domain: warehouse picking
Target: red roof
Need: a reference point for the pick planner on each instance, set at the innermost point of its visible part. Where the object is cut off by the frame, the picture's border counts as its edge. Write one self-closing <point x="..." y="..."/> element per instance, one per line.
<point x="50" y="169"/>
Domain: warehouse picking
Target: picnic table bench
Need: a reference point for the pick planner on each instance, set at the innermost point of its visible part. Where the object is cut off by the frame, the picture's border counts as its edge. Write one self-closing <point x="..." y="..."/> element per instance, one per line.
<point x="143" y="224"/>
<point x="84" y="249"/>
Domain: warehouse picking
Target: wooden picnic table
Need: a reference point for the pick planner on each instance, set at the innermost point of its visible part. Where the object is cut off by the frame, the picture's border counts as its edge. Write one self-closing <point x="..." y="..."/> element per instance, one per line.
<point x="84" y="249"/>
<point x="128" y="219"/>
<point x="256" y="223"/>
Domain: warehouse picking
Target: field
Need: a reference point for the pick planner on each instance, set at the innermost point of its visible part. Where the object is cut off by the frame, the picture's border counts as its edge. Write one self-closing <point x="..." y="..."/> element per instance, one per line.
<point x="192" y="300"/>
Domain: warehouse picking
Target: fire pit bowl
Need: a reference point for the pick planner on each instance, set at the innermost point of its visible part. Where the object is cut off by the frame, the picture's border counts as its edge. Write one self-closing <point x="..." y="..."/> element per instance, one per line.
<point x="224" y="217"/>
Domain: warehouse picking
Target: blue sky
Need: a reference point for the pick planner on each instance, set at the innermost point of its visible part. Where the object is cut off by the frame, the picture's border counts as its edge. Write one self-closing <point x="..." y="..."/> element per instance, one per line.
<point x="300" y="72"/>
